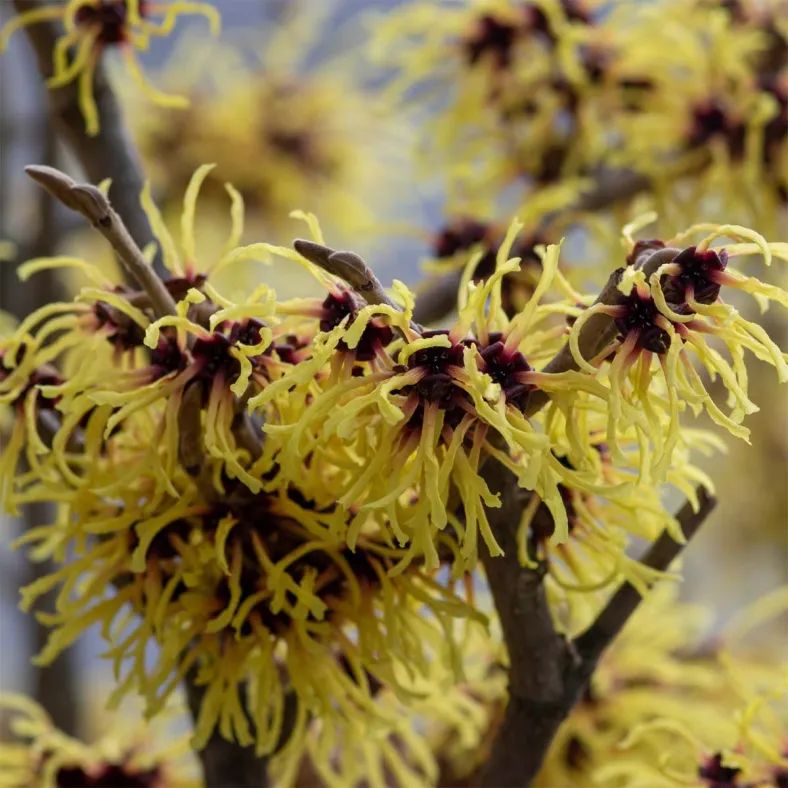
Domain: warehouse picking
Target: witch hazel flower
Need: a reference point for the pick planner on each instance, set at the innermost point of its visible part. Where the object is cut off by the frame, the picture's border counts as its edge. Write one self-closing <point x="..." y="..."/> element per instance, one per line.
<point x="669" y="316"/>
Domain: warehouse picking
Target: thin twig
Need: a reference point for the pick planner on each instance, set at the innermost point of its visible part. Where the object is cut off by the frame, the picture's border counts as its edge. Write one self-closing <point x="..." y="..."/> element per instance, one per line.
<point x="351" y="268"/>
<point x="548" y="676"/>
<point x="439" y="297"/>
<point x="109" y="154"/>
<point x="91" y="202"/>
<point x="622" y="605"/>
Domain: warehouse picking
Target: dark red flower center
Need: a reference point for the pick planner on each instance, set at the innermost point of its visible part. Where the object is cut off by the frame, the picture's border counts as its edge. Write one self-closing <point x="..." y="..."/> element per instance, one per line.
<point x="110" y="16"/>
<point x="640" y="314"/>
<point x="695" y="270"/>
<point x="576" y="754"/>
<point x="438" y="384"/>
<point x="717" y="775"/>
<point x="460" y="236"/>
<point x="505" y="367"/>
<point x="124" y="332"/>
<point x="712" y="120"/>
<point x="493" y="39"/>
<point x="167" y="356"/>
<point x="213" y="356"/>
<point x="376" y="335"/>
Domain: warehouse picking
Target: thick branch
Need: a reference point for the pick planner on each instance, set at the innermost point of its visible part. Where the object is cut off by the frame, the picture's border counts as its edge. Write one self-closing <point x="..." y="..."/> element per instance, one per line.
<point x="109" y="154"/>
<point x="610" y="187"/>
<point x="547" y="675"/>
<point x="538" y="655"/>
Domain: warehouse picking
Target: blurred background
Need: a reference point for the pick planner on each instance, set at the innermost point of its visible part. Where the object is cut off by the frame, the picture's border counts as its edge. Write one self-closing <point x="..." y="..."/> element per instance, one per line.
<point x="325" y="146"/>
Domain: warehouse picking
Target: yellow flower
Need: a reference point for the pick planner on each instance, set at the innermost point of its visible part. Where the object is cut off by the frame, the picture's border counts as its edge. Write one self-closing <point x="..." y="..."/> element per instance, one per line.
<point x="666" y="319"/>
<point x="43" y="757"/>
<point x="313" y="124"/>
<point x="213" y="346"/>
<point x="93" y="25"/>
<point x="243" y="588"/>
<point x="452" y="246"/>
<point x="403" y="752"/>
<point x="668" y="705"/>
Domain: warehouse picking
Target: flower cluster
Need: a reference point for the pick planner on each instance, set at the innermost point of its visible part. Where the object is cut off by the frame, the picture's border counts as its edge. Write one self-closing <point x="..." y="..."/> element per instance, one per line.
<point x="91" y="26"/>
<point x="524" y="83"/>
<point x="290" y="497"/>
<point x="719" y="119"/>
<point x="537" y="96"/>
<point x="169" y="492"/>
<point x="671" y="303"/>
<point x="452" y="246"/>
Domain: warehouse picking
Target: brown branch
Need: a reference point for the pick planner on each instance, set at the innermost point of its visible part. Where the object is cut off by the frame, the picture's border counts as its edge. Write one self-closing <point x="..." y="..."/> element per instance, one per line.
<point x="538" y="656"/>
<point x="548" y="676"/>
<point x="610" y="187"/>
<point x="109" y="154"/>
<point x="88" y="200"/>
<point x="351" y="268"/>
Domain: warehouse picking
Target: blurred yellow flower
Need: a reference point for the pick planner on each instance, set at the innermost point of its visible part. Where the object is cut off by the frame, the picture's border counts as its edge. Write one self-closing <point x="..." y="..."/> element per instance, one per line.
<point x="40" y="756"/>
<point x="93" y="25"/>
<point x="285" y="134"/>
